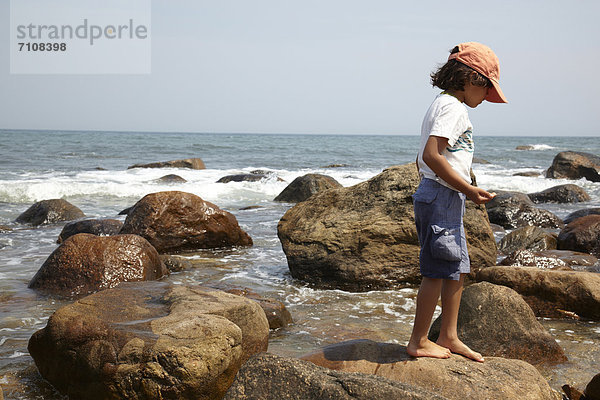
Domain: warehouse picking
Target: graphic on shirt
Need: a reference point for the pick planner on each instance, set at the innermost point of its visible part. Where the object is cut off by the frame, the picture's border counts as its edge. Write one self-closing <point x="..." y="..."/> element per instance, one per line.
<point x="464" y="142"/>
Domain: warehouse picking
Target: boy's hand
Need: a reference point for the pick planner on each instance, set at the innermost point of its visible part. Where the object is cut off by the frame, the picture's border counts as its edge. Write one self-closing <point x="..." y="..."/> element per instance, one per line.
<point x="480" y="196"/>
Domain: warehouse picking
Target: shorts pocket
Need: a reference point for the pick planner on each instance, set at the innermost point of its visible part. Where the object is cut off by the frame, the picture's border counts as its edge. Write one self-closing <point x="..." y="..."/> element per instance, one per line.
<point x="425" y="194"/>
<point x="445" y="243"/>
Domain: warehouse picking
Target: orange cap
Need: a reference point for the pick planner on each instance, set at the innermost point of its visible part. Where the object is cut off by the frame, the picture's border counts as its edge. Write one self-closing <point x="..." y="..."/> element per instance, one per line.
<point x="483" y="60"/>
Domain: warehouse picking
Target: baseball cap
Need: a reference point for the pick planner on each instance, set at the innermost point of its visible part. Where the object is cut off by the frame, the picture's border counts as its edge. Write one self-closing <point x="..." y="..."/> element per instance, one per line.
<point x="483" y="60"/>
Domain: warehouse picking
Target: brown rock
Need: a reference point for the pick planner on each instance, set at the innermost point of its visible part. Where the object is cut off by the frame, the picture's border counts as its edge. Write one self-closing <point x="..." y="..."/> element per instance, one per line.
<point x="582" y="234"/>
<point x="453" y="378"/>
<point x="575" y="165"/>
<point x="86" y="263"/>
<point x="513" y="209"/>
<point x="98" y="227"/>
<point x="568" y="193"/>
<point x="592" y="390"/>
<point x="552" y="259"/>
<point x="172" y="178"/>
<point x="49" y="212"/>
<point x="526" y="147"/>
<point x="149" y="340"/>
<point x="527" y="238"/>
<point x="547" y="291"/>
<point x="581" y="213"/>
<point x="572" y="393"/>
<point x="364" y="237"/>
<point x="305" y="186"/>
<point x="496" y="321"/>
<point x="527" y="173"/>
<point x="276" y="312"/>
<point x="177" y="221"/>
<point x="192" y="163"/>
<point x="175" y="263"/>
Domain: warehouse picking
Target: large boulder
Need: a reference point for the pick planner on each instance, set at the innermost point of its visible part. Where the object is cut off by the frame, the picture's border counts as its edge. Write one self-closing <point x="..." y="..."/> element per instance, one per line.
<point x="270" y="377"/>
<point x="305" y="186"/>
<point x="581" y="213"/>
<point x="592" y="390"/>
<point x="364" y="237"/>
<point x="49" y="212"/>
<point x="98" y="227"/>
<point x="86" y="263"/>
<point x="192" y="163"/>
<point x="553" y="259"/>
<point x="177" y="221"/>
<point x="513" y="209"/>
<point x="453" y="378"/>
<point x="149" y="340"/>
<point x="527" y="238"/>
<point x="582" y="234"/>
<point x="575" y="165"/>
<point x="548" y="291"/>
<point x="568" y="193"/>
<point x="276" y="312"/>
<point x="496" y="321"/>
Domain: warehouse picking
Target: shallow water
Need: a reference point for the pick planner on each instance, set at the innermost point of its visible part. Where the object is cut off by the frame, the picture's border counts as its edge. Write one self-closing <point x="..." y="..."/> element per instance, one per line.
<point x="43" y="165"/>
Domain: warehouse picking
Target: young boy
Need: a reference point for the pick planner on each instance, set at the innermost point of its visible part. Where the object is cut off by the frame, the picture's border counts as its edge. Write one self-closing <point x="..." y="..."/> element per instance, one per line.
<point x="469" y="77"/>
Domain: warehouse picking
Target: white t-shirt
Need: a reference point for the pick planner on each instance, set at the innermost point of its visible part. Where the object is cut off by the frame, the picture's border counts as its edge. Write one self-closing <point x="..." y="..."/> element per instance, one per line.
<point x="447" y="117"/>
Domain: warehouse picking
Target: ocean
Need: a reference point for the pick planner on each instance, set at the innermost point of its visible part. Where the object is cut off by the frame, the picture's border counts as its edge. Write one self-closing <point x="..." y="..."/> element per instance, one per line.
<point x="89" y="169"/>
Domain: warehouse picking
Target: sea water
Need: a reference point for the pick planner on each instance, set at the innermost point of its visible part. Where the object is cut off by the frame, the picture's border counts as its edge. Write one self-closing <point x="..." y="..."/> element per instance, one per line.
<point x="89" y="169"/>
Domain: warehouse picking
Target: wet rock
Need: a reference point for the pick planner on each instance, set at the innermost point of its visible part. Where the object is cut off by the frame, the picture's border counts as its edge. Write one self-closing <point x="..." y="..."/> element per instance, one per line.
<point x="305" y="186"/>
<point x="149" y="340"/>
<point x="575" y="165"/>
<point x="126" y="211"/>
<point x="582" y="234"/>
<point x="477" y="160"/>
<point x="513" y="209"/>
<point x="86" y="263"/>
<point x="98" y="227"/>
<point x="250" y="208"/>
<point x="4" y="228"/>
<point x="527" y="173"/>
<point x="270" y="377"/>
<point x="581" y="213"/>
<point x="568" y="193"/>
<point x="49" y="212"/>
<point x="192" y="163"/>
<point x="526" y="147"/>
<point x="276" y="312"/>
<point x="572" y="393"/>
<point x="364" y="237"/>
<point x="177" y="221"/>
<point x="592" y="390"/>
<point x="547" y="290"/>
<point x="552" y="259"/>
<point x="175" y="263"/>
<point x="171" y="178"/>
<point x="242" y="178"/>
<point x="496" y="321"/>
<point x="453" y="378"/>
<point x="335" y="166"/>
<point x="527" y="238"/>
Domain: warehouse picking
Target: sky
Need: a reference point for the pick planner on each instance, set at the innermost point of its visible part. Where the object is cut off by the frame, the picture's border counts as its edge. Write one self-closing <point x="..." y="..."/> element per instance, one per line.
<point x="325" y="67"/>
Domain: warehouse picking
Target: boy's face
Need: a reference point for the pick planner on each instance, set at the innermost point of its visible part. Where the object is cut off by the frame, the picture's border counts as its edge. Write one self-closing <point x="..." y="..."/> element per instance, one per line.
<point x="474" y="95"/>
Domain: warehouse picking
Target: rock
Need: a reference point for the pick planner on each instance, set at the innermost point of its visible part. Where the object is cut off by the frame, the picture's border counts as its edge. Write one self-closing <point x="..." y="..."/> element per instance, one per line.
<point x="581" y="213"/>
<point x="568" y="193"/>
<point x="305" y="186"/>
<point x="171" y="178"/>
<point x="270" y="377"/>
<point x="177" y="221"/>
<point x="575" y="165"/>
<point x="582" y="234"/>
<point x="527" y="147"/>
<point x="175" y="263"/>
<point x="98" y="227"/>
<point x="250" y="208"/>
<point x="242" y="178"/>
<point x="335" y="166"/>
<point x="513" y="209"/>
<point x="527" y="173"/>
<point x="276" y="312"/>
<point x="86" y="263"/>
<point x="126" y="211"/>
<point x="192" y="163"/>
<point x="572" y="393"/>
<point x="149" y="340"/>
<point x="592" y="390"/>
<point x="453" y="378"/>
<point x="4" y="228"/>
<point x="364" y="237"/>
<point x="527" y="238"/>
<point x="49" y="212"/>
<point x="547" y="291"/>
<point x="552" y="259"/>
<point x="496" y="321"/>
<point x="477" y="160"/>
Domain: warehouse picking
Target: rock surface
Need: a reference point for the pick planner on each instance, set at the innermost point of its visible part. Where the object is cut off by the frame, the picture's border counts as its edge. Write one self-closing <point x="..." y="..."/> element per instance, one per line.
<point x="453" y="378"/>
<point x="582" y="234"/>
<point x="527" y="238"/>
<point x="149" y="340"/>
<point x="192" y="163"/>
<point x="581" y="213"/>
<point x="592" y="390"/>
<point x="547" y="291"/>
<point x="513" y="209"/>
<point x="242" y="178"/>
<point x="270" y="377"/>
<point x="98" y="227"/>
<point x="552" y="259"/>
<point x="575" y="165"/>
<point x="86" y="263"/>
<point x="568" y="193"/>
<point x="496" y="321"/>
<point x="276" y="312"/>
<point x="49" y="212"/>
<point x="364" y="237"/>
<point x="177" y="221"/>
<point x="305" y="186"/>
<point x="171" y="178"/>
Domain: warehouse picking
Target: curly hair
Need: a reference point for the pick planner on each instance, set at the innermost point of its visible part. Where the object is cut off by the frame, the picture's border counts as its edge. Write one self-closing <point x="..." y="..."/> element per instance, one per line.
<point x="453" y="75"/>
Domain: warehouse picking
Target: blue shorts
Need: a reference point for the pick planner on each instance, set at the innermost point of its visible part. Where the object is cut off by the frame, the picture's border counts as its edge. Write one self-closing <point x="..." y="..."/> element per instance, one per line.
<point x="439" y="218"/>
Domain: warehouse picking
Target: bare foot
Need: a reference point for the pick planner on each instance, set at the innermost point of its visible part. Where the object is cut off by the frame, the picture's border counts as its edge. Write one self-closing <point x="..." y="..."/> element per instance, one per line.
<point x="458" y="347"/>
<point x="427" y="349"/>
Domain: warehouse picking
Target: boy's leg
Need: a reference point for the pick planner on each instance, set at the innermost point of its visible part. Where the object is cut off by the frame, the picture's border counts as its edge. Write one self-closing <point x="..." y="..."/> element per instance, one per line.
<point x="451" y="294"/>
<point x="419" y="345"/>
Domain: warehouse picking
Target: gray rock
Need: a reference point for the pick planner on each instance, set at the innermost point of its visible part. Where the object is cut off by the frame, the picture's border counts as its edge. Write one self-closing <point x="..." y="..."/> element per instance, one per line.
<point x="575" y="165"/>
<point x="242" y="178"/>
<point x="305" y="186"/>
<point x="98" y="227"/>
<point x="527" y="238"/>
<point x="568" y="193"/>
<point x="192" y="163"/>
<point x="552" y="259"/>
<point x="582" y="234"/>
<point x="171" y="178"/>
<point x="49" y="212"/>
<point x="581" y="213"/>
<point x="513" y="209"/>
